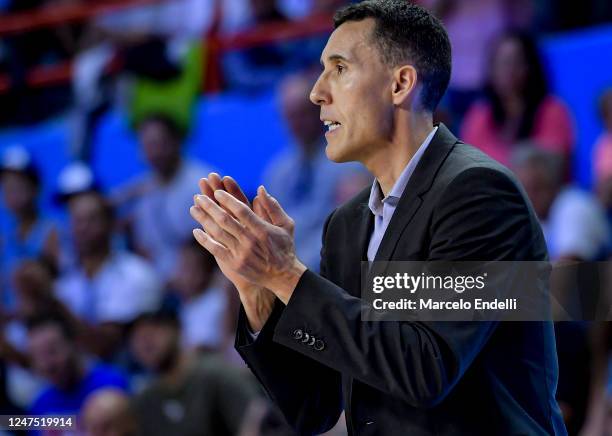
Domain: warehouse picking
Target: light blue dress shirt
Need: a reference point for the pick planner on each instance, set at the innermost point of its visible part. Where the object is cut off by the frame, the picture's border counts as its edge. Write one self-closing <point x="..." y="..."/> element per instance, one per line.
<point x="383" y="208"/>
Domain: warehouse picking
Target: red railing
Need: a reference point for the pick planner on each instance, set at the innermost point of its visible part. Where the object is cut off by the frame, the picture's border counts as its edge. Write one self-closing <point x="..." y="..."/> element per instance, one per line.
<point x="49" y="17"/>
<point x="50" y="75"/>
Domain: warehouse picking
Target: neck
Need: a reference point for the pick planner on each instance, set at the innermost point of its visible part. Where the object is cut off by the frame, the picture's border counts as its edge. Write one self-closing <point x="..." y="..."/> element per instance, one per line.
<point x="92" y="262"/>
<point x="173" y="375"/>
<point x="167" y="176"/>
<point x="513" y="105"/>
<point x="391" y="157"/>
<point x="26" y="218"/>
<point x="77" y="372"/>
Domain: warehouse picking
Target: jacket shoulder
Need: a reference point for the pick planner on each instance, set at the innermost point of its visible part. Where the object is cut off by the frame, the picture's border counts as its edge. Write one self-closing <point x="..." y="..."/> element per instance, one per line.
<point x="467" y="162"/>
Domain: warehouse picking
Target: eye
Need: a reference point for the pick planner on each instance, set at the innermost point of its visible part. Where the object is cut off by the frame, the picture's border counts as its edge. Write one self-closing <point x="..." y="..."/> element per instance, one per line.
<point x="340" y="69"/>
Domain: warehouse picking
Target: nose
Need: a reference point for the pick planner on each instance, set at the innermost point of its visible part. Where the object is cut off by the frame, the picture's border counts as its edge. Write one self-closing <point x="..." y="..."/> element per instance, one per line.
<point x="319" y="94"/>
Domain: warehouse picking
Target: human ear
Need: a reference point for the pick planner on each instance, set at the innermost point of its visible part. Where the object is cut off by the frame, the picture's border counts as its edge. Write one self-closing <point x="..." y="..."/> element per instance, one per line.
<point x="404" y="83"/>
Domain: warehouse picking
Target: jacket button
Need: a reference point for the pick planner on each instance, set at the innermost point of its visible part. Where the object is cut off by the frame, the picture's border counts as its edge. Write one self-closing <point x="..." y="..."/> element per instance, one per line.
<point x="306" y="338"/>
<point x="312" y="341"/>
<point x="298" y="334"/>
<point x="319" y="345"/>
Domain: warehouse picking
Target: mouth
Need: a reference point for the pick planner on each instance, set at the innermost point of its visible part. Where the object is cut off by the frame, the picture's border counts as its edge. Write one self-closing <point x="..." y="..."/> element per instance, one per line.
<point x="331" y="125"/>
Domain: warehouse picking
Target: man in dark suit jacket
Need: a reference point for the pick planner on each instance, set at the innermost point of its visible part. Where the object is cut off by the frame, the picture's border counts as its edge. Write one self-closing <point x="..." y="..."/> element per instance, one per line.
<point x="386" y="66"/>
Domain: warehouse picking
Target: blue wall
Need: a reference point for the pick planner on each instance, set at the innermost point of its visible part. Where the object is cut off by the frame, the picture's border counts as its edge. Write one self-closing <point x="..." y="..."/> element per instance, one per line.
<point x="580" y="67"/>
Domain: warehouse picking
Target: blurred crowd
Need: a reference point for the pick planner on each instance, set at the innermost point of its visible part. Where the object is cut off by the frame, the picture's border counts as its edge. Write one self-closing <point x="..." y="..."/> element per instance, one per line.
<point x="115" y="315"/>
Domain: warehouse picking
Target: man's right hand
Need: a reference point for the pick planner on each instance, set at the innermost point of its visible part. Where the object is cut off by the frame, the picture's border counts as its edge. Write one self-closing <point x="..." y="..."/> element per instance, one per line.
<point x="257" y="301"/>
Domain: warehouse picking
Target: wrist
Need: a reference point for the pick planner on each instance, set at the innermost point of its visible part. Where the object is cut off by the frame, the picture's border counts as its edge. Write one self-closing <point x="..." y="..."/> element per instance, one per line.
<point x="258" y="304"/>
<point x="287" y="282"/>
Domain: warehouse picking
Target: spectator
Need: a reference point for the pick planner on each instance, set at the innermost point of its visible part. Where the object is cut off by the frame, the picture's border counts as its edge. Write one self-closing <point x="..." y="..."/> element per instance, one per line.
<point x="71" y="378"/>
<point x="602" y="155"/>
<point x="597" y="416"/>
<point x="574" y="224"/>
<point x="108" y="287"/>
<point x="305" y="182"/>
<point x="204" y="300"/>
<point x="26" y="234"/>
<point x="107" y="412"/>
<point x="575" y="229"/>
<point x="161" y="222"/>
<point x="33" y="283"/>
<point x="471" y="26"/>
<point x="517" y="105"/>
<point x="74" y="179"/>
<point x="152" y="40"/>
<point x="190" y="395"/>
<point x="258" y="68"/>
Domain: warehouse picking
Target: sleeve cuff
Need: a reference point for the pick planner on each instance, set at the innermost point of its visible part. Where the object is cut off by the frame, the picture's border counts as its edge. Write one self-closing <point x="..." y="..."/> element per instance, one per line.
<point x="245" y="336"/>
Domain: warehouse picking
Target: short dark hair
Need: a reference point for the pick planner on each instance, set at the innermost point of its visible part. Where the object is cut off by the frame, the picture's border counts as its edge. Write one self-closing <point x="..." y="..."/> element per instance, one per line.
<point x="172" y="126"/>
<point x="407" y="31"/>
<point x="52" y="318"/>
<point x="162" y="316"/>
<point x="108" y="210"/>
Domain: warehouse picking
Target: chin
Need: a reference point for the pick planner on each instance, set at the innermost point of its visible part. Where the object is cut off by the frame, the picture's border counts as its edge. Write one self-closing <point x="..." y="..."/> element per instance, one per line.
<point x="337" y="153"/>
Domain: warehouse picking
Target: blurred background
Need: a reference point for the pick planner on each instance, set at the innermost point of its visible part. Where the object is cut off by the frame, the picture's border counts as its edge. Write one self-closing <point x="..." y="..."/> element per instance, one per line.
<point x="111" y="111"/>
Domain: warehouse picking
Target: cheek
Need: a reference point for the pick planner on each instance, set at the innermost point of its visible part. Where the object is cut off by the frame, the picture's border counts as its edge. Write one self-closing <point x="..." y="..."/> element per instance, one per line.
<point x="374" y="119"/>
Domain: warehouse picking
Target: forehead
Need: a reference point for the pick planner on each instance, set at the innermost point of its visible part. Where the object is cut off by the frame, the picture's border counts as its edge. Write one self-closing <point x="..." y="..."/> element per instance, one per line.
<point x="44" y="333"/>
<point x="154" y="128"/>
<point x="86" y="203"/>
<point x="13" y="177"/>
<point x="351" y="40"/>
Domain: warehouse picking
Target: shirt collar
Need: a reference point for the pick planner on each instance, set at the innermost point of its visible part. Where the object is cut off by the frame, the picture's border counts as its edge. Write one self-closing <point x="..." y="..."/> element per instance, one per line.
<point x="376" y="201"/>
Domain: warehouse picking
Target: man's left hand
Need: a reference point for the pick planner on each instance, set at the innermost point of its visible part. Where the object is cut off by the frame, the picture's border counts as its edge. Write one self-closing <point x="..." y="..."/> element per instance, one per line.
<point x="261" y="252"/>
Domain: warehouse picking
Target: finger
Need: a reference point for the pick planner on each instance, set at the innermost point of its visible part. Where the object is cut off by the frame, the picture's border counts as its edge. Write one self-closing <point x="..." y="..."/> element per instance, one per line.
<point x="212" y="246"/>
<point x="215" y="182"/>
<point x="212" y="228"/>
<point x="260" y="210"/>
<point x="205" y="187"/>
<point x="221" y="217"/>
<point x="241" y="211"/>
<point x="233" y="188"/>
<point x="197" y="213"/>
<point x="278" y="216"/>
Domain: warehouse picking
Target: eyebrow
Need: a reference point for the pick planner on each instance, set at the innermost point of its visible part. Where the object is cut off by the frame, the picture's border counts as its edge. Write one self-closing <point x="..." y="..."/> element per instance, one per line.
<point x="335" y="57"/>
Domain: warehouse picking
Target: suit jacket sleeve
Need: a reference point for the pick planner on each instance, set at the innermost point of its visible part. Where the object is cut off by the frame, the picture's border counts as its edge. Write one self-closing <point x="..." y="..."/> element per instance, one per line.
<point x="482" y="214"/>
<point x="308" y="393"/>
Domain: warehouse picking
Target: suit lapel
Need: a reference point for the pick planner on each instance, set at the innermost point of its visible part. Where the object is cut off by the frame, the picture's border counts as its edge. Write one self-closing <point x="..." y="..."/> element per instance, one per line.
<point x="419" y="183"/>
<point x="364" y="231"/>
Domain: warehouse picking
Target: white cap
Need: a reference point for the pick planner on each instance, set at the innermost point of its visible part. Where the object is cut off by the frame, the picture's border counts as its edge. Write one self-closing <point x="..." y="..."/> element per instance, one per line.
<point x="16" y="158"/>
<point x="75" y="178"/>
